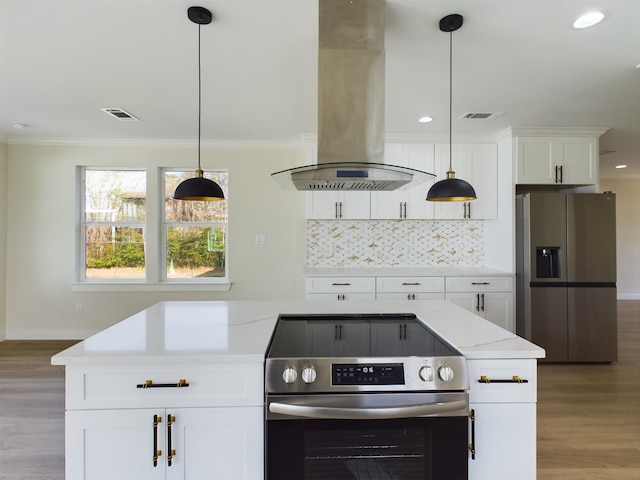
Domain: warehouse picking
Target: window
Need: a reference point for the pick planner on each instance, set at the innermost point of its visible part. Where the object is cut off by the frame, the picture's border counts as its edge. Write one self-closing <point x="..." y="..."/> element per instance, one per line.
<point x="114" y="219"/>
<point x="195" y="233"/>
<point x="119" y="242"/>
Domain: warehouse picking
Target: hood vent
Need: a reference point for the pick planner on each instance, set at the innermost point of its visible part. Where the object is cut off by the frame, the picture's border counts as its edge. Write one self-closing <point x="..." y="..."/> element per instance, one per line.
<point x="351" y="105"/>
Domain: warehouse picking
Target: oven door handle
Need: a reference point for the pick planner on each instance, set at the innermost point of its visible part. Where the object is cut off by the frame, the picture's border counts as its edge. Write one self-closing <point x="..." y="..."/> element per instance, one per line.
<point x="360" y="413"/>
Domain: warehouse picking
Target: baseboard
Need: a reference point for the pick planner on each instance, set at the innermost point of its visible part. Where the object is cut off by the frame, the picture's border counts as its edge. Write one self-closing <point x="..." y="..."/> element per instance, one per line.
<point x="628" y="296"/>
<point x="49" y="335"/>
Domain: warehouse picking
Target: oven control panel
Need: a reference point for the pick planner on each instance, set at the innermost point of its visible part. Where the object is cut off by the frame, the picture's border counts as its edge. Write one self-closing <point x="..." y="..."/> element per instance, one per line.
<point x="374" y="374"/>
<point x="317" y="375"/>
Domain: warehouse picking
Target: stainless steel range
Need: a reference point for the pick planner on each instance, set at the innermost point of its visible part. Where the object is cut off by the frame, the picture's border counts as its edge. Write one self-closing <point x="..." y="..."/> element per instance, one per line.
<point x="362" y="397"/>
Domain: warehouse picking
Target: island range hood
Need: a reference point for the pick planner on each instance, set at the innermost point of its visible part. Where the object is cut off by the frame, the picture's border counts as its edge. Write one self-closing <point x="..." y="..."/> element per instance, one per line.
<point x="351" y="89"/>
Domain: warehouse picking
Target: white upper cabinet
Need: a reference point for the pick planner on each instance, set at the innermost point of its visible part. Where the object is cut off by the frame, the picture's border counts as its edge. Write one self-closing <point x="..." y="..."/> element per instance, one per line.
<point x="409" y="203"/>
<point x="333" y="204"/>
<point x="338" y="205"/>
<point x="544" y="160"/>
<point x="478" y="165"/>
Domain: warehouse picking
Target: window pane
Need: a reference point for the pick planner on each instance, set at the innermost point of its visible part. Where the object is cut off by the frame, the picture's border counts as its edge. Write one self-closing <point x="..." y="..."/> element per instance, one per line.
<point x="114" y="252"/>
<point x="194" y="211"/>
<point x="112" y="196"/>
<point x="196" y="252"/>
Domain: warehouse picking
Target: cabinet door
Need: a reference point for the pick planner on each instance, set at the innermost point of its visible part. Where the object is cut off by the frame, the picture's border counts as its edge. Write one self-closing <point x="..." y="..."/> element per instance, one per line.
<point x="505" y="441"/>
<point x="411" y="203"/>
<point x="536" y="159"/>
<point x="497" y="307"/>
<point x="109" y="444"/>
<point x="217" y="443"/>
<point x="338" y="205"/>
<point x="478" y="165"/>
<point x="579" y="161"/>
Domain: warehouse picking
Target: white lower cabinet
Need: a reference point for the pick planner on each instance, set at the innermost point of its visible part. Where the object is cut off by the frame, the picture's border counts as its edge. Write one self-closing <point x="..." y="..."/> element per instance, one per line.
<point x="502" y="399"/>
<point x="504" y="439"/>
<point x="488" y="297"/>
<point x="341" y="288"/>
<point x="410" y="288"/>
<point x="178" y="443"/>
<point x="175" y="422"/>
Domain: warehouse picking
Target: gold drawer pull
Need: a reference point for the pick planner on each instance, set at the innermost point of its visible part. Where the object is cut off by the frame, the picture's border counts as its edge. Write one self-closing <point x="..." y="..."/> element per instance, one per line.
<point x="149" y="384"/>
<point x="514" y="379"/>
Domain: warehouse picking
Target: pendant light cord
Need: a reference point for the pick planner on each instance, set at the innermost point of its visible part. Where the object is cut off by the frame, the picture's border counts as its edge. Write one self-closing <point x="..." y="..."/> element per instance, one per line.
<point x="450" y="97"/>
<point x="199" y="100"/>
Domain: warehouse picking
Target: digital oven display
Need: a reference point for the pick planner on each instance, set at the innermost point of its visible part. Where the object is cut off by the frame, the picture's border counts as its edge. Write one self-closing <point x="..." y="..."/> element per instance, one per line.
<point x="373" y="374"/>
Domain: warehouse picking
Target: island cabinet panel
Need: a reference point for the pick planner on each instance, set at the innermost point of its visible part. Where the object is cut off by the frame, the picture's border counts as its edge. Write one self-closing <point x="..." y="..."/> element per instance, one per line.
<point x="119" y="417"/>
<point x="502" y="401"/>
<point x="98" y="386"/>
<point x="134" y="444"/>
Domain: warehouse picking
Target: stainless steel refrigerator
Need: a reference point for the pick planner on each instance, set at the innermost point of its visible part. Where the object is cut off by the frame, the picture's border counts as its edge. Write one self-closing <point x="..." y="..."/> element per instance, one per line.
<point x="566" y="275"/>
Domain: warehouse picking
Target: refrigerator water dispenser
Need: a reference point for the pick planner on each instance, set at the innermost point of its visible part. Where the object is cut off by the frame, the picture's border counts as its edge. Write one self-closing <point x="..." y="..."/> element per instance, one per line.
<point x="548" y="262"/>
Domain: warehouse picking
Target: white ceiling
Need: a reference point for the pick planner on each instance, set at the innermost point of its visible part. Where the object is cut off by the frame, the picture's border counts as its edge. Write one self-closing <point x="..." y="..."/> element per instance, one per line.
<point x="62" y="60"/>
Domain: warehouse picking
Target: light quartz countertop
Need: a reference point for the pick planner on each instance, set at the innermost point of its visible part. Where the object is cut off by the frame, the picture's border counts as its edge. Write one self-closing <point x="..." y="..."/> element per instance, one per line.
<point x="405" y="272"/>
<point x="239" y="332"/>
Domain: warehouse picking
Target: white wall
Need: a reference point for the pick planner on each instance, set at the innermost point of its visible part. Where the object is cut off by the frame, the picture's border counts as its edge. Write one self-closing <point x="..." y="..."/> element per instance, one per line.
<point x="3" y="237"/>
<point x="628" y="234"/>
<point x="41" y="236"/>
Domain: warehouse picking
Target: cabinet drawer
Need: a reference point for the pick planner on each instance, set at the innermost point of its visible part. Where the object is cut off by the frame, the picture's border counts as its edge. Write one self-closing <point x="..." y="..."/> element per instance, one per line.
<point x="409" y="284"/>
<point x="341" y="296"/>
<point x="479" y="284"/>
<point x="411" y="296"/>
<point x="502" y="388"/>
<point x="341" y="285"/>
<point x="89" y="387"/>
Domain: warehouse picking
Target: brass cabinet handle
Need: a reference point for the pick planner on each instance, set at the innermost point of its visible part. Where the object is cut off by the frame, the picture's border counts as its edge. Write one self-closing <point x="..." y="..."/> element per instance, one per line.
<point x="156" y="453"/>
<point x="514" y="379"/>
<point x="172" y="452"/>
<point x="472" y="445"/>
<point x="149" y="384"/>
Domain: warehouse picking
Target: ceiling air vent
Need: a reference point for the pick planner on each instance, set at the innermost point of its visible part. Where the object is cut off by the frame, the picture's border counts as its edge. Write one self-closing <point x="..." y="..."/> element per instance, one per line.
<point x="481" y="116"/>
<point x="120" y="114"/>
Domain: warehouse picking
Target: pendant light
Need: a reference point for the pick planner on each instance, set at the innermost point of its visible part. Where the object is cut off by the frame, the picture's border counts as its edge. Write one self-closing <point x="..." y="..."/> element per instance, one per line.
<point x="199" y="188"/>
<point x="451" y="189"/>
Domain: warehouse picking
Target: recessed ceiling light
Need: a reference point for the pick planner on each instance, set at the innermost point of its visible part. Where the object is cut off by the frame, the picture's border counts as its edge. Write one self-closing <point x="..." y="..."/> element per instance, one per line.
<point x="425" y="119"/>
<point x="588" y="20"/>
<point x="621" y="166"/>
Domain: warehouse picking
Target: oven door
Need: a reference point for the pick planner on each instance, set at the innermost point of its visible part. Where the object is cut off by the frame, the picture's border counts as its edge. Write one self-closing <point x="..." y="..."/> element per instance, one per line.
<point x="367" y="436"/>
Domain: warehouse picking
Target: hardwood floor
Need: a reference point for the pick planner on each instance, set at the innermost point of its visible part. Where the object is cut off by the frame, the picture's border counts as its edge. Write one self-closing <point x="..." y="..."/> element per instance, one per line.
<point x="31" y="411"/>
<point x="588" y="415"/>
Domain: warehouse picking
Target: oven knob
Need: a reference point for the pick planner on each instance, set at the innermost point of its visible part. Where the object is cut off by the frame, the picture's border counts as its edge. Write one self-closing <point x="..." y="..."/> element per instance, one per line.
<point x="309" y="374"/>
<point x="289" y="375"/>
<point x="426" y="373"/>
<point x="445" y="372"/>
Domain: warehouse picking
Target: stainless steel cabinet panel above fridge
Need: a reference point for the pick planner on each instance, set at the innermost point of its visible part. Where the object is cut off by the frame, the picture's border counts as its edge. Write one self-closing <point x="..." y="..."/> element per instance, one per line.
<point x="566" y="275"/>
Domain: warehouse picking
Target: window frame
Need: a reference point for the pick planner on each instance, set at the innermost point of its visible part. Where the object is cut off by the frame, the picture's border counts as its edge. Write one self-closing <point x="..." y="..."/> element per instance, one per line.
<point x="164" y="226"/>
<point x="155" y="245"/>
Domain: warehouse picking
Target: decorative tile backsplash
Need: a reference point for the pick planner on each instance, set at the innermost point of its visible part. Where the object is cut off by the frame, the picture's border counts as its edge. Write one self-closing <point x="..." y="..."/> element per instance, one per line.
<point x="395" y="243"/>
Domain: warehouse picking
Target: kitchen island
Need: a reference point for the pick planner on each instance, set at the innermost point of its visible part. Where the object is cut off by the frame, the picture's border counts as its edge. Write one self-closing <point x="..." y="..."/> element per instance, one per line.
<point x="177" y="390"/>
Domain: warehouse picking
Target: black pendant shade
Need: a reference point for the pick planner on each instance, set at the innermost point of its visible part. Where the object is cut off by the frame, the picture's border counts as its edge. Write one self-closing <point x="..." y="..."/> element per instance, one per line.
<point x="199" y="188"/>
<point x="451" y="189"/>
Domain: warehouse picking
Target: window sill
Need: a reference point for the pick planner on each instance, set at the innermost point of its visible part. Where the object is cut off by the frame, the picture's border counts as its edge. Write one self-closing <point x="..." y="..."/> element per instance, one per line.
<point x="149" y="287"/>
